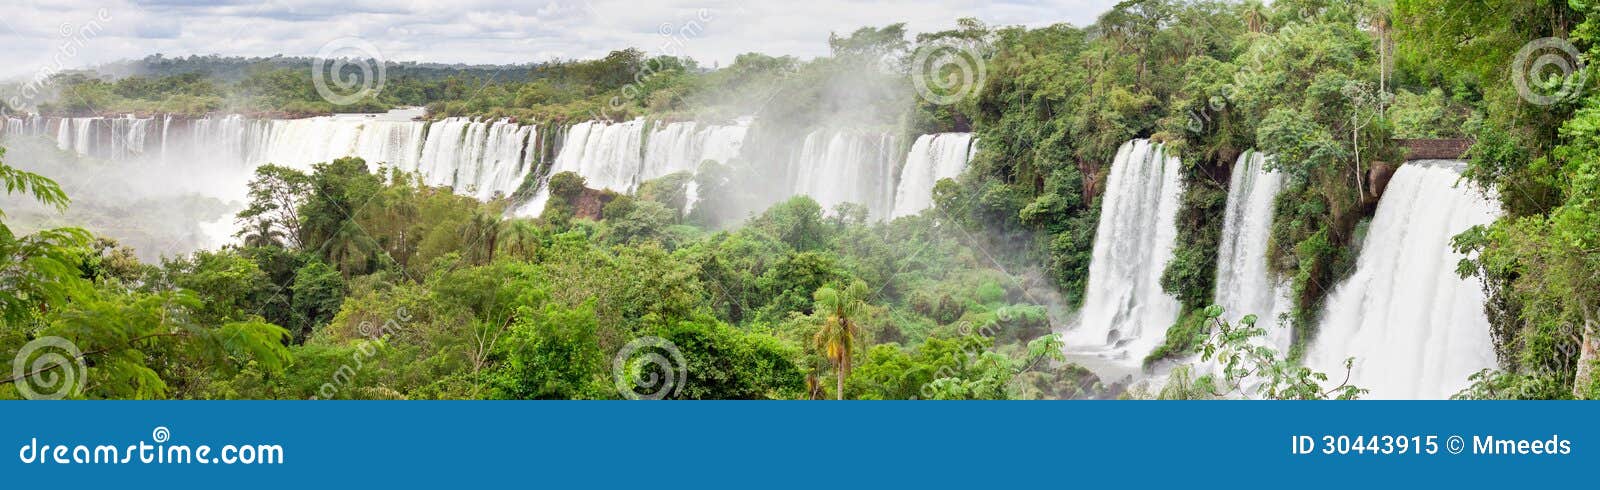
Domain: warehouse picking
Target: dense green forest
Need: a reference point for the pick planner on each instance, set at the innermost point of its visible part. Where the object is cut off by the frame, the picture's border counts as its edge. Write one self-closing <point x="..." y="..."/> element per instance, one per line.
<point x="353" y="283"/>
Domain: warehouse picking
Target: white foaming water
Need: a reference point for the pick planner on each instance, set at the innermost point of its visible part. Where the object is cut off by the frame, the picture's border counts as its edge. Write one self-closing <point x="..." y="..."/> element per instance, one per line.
<point x="615" y="156"/>
<point x="606" y="155"/>
<point x="23" y="125"/>
<point x="1415" y="328"/>
<point x="681" y="146"/>
<point x="932" y="157"/>
<point x="216" y="156"/>
<point x="299" y="143"/>
<point x="1125" y="313"/>
<point x="477" y="158"/>
<point x="836" y="167"/>
<point x="1244" y="284"/>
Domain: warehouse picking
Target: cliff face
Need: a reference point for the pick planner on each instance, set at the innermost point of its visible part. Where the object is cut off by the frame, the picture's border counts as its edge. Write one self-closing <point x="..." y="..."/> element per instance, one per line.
<point x="1378" y="179"/>
<point x="591" y="202"/>
<point x="1434" y="149"/>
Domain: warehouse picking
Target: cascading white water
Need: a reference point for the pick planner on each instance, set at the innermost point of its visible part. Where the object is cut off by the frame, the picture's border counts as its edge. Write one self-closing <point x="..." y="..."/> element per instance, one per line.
<point x="1244" y="284"/>
<point x="682" y="146"/>
<point x="215" y="156"/>
<point x="836" y="167"/>
<point x="616" y="156"/>
<point x="507" y="159"/>
<point x="77" y="134"/>
<point x="23" y="125"/>
<point x="1414" y="327"/>
<point x="606" y="155"/>
<point x="477" y="158"/>
<point x="227" y="138"/>
<point x="299" y="143"/>
<point x="932" y="157"/>
<point x="1126" y="313"/>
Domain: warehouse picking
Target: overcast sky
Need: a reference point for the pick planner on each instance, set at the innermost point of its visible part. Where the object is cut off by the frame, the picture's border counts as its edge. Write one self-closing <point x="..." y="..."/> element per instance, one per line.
<point x="76" y="33"/>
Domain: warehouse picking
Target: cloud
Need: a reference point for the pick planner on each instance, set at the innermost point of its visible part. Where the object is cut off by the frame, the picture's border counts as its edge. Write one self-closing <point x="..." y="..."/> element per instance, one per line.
<point x="482" y="31"/>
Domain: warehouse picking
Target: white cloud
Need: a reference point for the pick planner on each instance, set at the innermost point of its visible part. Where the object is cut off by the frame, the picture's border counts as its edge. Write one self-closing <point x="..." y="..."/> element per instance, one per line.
<point x="476" y="31"/>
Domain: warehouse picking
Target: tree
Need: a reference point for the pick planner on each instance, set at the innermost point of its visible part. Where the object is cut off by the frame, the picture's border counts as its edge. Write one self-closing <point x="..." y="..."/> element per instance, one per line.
<point x="872" y="43"/>
<point x="797" y="222"/>
<point x="841" y="313"/>
<point x="553" y="353"/>
<point x="1242" y="366"/>
<point x="723" y="362"/>
<point x="483" y="234"/>
<point x="340" y="189"/>
<point x="276" y="194"/>
<point x="38" y="271"/>
<point x="520" y="238"/>
<point x="317" y="293"/>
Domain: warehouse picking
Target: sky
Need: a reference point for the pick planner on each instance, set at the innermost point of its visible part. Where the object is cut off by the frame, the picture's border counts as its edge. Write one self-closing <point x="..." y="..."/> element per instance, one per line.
<point x="53" y="34"/>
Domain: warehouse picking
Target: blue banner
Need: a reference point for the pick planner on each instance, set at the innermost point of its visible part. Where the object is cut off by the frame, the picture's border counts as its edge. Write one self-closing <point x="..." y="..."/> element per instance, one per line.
<point x="258" y="444"/>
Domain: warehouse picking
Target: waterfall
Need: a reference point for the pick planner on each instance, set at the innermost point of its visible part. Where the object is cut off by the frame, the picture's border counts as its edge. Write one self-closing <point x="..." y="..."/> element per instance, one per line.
<point x="166" y="126"/>
<point x="476" y="158"/>
<point x="618" y="157"/>
<point x="1414" y="327"/>
<point x="25" y="125"/>
<point x="1125" y="312"/>
<point x="299" y="143"/>
<point x="682" y="146"/>
<point x="1244" y="285"/>
<point x="507" y="159"/>
<point x="479" y="158"/>
<point x="674" y="147"/>
<point x="843" y="166"/>
<point x="482" y="159"/>
<point x="932" y="157"/>
<point x="606" y="155"/>
<point x="223" y="137"/>
<point x="77" y="134"/>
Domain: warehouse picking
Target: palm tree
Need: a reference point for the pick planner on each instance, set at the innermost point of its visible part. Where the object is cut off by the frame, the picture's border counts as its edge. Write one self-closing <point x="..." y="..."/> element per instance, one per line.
<point x="840" y="311"/>
<point x="350" y="249"/>
<point x="1255" y="16"/>
<point x="262" y="234"/>
<point x="484" y="231"/>
<point x="520" y="237"/>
